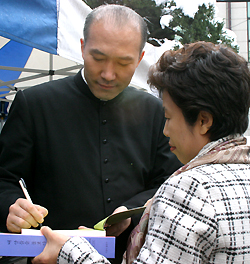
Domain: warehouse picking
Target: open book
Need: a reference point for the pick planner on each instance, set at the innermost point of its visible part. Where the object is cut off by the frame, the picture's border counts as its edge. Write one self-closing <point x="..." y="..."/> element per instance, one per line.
<point x="118" y="217"/>
<point x="31" y="242"/>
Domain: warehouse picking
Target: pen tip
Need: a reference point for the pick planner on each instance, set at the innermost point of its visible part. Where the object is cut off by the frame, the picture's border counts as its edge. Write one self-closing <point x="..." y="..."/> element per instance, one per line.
<point x="23" y="182"/>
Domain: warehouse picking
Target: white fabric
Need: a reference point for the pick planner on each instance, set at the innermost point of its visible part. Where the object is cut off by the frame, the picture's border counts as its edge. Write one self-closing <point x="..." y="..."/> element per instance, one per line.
<point x="201" y="216"/>
<point x="71" y="18"/>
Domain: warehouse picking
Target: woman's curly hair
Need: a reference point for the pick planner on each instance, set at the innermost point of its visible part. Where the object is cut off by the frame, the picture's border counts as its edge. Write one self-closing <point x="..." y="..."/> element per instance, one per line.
<point x="203" y="76"/>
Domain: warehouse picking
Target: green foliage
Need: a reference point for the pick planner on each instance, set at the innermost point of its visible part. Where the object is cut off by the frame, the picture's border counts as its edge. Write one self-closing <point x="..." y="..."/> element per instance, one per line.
<point x="182" y="27"/>
<point x="201" y="27"/>
<point x="149" y="10"/>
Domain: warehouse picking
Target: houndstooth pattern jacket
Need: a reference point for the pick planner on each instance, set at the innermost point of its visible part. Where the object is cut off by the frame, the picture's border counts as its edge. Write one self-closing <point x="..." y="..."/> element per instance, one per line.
<point x="199" y="216"/>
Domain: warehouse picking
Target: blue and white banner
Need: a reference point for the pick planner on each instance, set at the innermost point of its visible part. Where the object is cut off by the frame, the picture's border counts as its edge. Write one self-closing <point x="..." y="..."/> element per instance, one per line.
<point x="53" y="26"/>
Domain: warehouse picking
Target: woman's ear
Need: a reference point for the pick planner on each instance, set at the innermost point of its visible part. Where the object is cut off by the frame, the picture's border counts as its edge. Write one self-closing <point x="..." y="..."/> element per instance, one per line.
<point x="205" y="121"/>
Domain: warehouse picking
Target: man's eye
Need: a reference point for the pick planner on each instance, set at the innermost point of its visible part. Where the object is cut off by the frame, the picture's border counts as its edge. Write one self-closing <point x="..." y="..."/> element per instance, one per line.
<point x="98" y="59"/>
<point x="124" y="64"/>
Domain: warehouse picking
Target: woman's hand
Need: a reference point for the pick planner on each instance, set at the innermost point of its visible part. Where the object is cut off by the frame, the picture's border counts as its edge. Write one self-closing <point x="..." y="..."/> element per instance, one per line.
<point x="117" y="229"/>
<point x="55" y="241"/>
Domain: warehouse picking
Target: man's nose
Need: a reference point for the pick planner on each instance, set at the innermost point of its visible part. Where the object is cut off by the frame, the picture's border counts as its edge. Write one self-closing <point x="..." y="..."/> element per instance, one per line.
<point x="108" y="72"/>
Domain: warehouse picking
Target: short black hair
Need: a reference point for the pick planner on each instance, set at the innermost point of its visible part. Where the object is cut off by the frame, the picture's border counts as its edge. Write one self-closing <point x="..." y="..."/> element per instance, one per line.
<point x="203" y="76"/>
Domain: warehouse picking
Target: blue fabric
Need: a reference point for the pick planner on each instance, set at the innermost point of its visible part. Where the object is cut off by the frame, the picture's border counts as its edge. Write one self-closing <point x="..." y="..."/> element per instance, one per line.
<point x="13" y="54"/>
<point x="31" y="22"/>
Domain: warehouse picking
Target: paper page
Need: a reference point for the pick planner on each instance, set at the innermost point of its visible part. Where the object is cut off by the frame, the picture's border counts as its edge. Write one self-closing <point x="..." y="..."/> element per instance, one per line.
<point x="88" y="232"/>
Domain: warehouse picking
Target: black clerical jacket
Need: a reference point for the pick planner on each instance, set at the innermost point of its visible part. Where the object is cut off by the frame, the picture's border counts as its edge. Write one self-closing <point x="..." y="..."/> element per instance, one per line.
<point x="82" y="157"/>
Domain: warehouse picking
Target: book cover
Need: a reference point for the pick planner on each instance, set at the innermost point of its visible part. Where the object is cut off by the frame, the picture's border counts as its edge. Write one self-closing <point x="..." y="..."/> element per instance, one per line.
<point x="20" y="245"/>
<point x="118" y="217"/>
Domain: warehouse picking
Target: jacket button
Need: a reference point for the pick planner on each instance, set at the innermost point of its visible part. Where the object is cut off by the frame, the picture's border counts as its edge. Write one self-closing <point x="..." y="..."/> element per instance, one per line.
<point x="106" y="161"/>
<point x="109" y="200"/>
<point x="104" y="121"/>
<point x="104" y="141"/>
<point x="107" y="180"/>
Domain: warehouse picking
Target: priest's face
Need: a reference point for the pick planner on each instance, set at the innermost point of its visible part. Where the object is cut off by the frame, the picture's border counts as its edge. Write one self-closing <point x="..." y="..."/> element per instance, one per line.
<point x="111" y="55"/>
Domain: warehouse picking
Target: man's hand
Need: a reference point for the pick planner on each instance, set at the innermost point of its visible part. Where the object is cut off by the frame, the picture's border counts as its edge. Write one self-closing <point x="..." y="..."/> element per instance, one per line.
<point x="24" y="214"/>
<point x="117" y="229"/>
<point x="55" y="241"/>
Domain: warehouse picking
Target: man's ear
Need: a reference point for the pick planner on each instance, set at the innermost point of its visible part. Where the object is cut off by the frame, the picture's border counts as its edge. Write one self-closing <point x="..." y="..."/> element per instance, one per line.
<point x="82" y="47"/>
<point x="141" y="56"/>
<point x="206" y="121"/>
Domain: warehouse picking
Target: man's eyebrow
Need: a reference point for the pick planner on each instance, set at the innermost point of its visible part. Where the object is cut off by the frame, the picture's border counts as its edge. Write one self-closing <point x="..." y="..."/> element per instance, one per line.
<point x="128" y="58"/>
<point x="96" y="51"/>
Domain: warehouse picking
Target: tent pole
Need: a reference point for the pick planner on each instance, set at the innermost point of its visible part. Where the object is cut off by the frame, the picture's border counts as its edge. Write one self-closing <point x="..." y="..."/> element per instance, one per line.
<point x="51" y="66"/>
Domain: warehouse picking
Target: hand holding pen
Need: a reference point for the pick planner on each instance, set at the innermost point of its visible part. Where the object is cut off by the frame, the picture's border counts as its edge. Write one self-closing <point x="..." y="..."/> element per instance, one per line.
<point x="24" y="214"/>
<point x="25" y="191"/>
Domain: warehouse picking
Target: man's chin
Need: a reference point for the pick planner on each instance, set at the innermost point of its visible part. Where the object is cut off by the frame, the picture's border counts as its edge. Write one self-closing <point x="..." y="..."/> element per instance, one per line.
<point x="106" y="95"/>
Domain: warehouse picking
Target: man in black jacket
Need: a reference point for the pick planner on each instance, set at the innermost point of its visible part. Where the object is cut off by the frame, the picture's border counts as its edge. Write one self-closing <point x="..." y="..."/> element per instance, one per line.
<point x="88" y="145"/>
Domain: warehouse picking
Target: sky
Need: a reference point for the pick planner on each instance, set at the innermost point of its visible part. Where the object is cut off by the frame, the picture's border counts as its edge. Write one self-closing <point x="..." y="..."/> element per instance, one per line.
<point x="190" y="7"/>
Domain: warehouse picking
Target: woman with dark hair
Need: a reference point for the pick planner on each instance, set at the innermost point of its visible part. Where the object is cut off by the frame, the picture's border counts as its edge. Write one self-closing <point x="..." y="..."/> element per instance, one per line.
<point x="206" y="77"/>
<point x="201" y="214"/>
